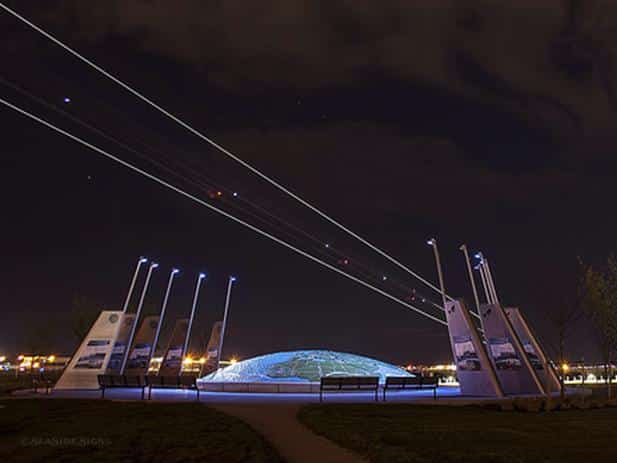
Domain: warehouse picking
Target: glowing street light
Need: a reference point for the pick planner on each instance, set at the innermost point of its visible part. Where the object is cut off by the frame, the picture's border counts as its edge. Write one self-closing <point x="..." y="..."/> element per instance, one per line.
<point x="172" y="274"/>
<point x="140" y="262"/>
<point x="433" y="243"/>
<point x="153" y="266"/>
<point x="227" y="301"/>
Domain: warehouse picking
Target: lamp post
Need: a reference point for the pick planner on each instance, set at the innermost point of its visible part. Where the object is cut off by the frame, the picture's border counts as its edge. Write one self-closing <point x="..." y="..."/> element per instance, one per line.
<point x="173" y="273"/>
<point x="433" y="242"/>
<point x="140" y="261"/>
<point x="153" y="265"/>
<point x="200" y="278"/>
<point x="491" y="282"/>
<point x="463" y="248"/>
<point x="227" y="301"/>
<point x="484" y="286"/>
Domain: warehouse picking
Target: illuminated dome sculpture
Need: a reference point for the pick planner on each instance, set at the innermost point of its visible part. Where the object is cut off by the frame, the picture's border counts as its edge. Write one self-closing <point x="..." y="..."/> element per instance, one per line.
<point x="302" y="366"/>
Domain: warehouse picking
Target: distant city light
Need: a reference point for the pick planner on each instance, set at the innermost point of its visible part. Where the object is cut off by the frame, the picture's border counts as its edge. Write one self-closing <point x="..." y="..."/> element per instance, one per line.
<point x="233" y="361"/>
<point x="327" y="245"/>
<point x="2" y="358"/>
<point x="66" y="99"/>
<point x="384" y="278"/>
<point x="565" y="367"/>
<point x="51" y="358"/>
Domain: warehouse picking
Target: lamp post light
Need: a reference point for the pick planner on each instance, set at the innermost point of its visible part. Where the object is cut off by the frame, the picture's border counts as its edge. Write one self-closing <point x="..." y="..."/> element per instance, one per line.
<point x="173" y="273"/>
<point x="153" y="266"/>
<point x="433" y="242"/>
<point x="227" y="301"/>
<point x="140" y="261"/>
<point x="200" y="278"/>
<point x="463" y="248"/>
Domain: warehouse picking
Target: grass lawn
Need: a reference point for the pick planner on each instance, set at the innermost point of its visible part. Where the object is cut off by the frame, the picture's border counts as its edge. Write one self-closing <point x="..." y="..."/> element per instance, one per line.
<point x="414" y="433"/>
<point x="55" y="430"/>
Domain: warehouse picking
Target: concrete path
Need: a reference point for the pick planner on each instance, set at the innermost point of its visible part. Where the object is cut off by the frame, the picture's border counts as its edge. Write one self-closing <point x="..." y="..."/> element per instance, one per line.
<point x="294" y="442"/>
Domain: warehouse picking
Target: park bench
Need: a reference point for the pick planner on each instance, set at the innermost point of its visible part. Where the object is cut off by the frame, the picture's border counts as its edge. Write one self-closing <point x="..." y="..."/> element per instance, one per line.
<point x="172" y="382"/>
<point x="121" y="381"/>
<point x="42" y="381"/>
<point x="410" y="382"/>
<point x="348" y="384"/>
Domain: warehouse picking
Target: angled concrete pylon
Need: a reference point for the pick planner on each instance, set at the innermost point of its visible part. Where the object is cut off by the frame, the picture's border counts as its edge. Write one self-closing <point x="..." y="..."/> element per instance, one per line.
<point x="474" y="369"/>
<point x="536" y="354"/>
<point x="138" y="362"/>
<point x="93" y="355"/>
<point x="514" y="369"/>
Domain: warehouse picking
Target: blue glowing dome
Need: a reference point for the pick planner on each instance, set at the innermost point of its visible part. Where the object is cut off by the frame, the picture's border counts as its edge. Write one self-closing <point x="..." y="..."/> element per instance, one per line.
<point x="302" y="366"/>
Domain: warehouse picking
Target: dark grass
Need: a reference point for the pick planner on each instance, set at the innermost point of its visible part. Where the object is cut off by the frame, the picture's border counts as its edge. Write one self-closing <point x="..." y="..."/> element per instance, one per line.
<point x="9" y="382"/>
<point x="56" y="430"/>
<point x="415" y="433"/>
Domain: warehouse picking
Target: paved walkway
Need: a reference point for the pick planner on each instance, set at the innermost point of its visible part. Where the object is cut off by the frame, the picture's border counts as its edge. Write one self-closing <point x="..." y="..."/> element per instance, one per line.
<point x="294" y="442"/>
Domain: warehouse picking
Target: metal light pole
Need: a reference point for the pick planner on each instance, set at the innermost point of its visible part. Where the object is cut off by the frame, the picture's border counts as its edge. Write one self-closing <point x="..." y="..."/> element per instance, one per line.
<point x="140" y="261"/>
<point x="153" y="265"/>
<point x="483" y="279"/>
<point x="433" y="242"/>
<point x="227" y="301"/>
<point x="200" y="278"/>
<point x="173" y="273"/>
<point x="476" y="299"/>
<point x="491" y="282"/>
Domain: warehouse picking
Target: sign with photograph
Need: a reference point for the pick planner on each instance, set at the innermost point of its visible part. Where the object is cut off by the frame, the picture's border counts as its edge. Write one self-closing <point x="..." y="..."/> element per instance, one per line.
<point x="466" y="356"/>
<point x="172" y="360"/>
<point x="514" y="368"/>
<point x="94" y="353"/>
<point x="504" y="355"/>
<point x="474" y="370"/>
<point x="93" y="356"/>
<point x="139" y="357"/>
<point x="117" y="353"/>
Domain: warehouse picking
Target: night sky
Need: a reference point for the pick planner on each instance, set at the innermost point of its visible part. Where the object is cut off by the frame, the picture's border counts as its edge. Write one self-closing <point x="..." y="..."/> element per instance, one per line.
<point x="492" y="124"/>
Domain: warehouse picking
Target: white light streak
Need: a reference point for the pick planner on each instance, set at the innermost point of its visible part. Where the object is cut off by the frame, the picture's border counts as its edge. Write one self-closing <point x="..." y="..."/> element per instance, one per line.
<point x="216" y="209"/>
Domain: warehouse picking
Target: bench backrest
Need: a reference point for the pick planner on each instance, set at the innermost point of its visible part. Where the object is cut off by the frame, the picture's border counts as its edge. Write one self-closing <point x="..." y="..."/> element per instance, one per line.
<point x="154" y="380"/>
<point x="188" y="380"/>
<point x="430" y="380"/>
<point x="340" y="382"/>
<point x="134" y="381"/>
<point x="105" y="380"/>
<point x="117" y="380"/>
<point x="403" y="381"/>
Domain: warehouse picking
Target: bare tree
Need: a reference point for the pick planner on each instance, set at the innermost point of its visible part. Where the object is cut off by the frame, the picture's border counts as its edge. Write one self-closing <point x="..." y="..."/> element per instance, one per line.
<point x="601" y="305"/>
<point x="564" y="320"/>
